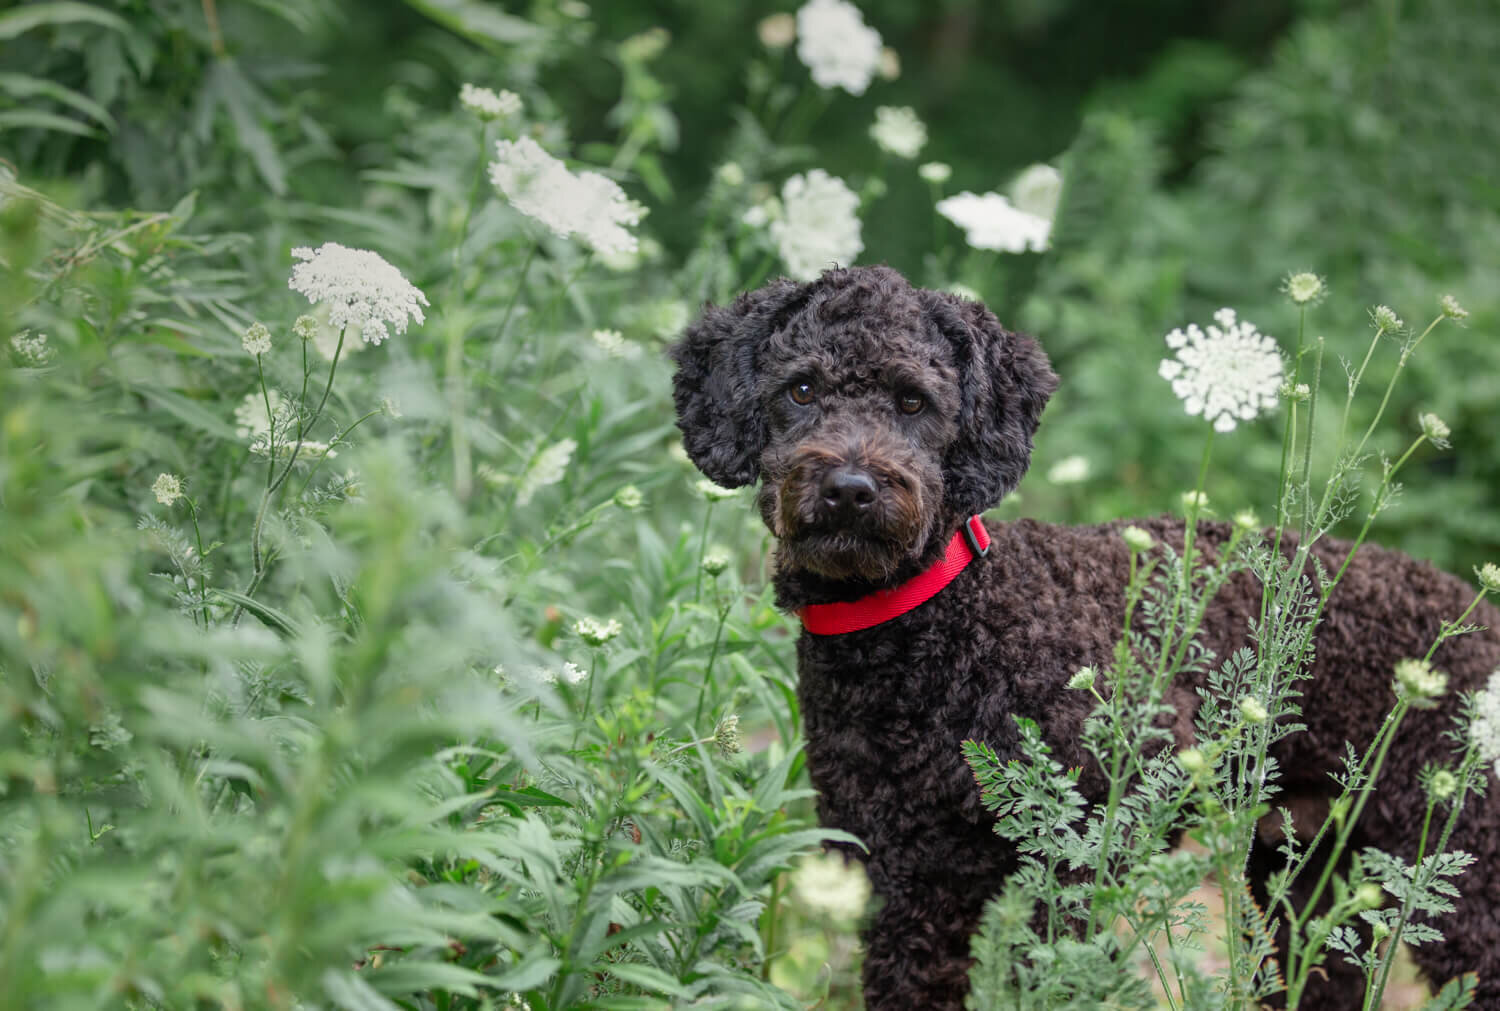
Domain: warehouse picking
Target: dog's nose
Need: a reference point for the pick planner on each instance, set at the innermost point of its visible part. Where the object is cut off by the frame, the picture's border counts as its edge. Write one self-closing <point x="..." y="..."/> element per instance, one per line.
<point x="847" y="490"/>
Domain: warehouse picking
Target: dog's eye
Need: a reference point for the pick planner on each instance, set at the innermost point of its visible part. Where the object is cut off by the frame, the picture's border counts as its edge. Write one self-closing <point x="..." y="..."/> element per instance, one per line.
<point x="911" y="403"/>
<point x="801" y="394"/>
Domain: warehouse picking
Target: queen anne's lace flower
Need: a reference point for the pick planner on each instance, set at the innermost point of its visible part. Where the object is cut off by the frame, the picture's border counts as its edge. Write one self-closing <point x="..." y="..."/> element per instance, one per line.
<point x="257" y="339"/>
<point x="935" y="171"/>
<point x="596" y="632"/>
<point x="898" y="130"/>
<point x="1485" y="728"/>
<point x="250" y="417"/>
<point x="1417" y="681"/>
<point x="727" y="736"/>
<point x="587" y="205"/>
<point x="1229" y="374"/>
<point x="167" y="488"/>
<point x="713" y="492"/>
<point x="546" y="468"/>
<point x="32" y="349"/>
<point x="1038" y="190"/>
<point x="1069" y="470"/>
<point x="837" y="46"/>
<point x="360" y="288"/>
<point x="830" y="885"/>
<point x="487" y="104"/>
<point x="819" y="228"/>
<point x="991" y="222"/>
<point x="1304" y="287"/>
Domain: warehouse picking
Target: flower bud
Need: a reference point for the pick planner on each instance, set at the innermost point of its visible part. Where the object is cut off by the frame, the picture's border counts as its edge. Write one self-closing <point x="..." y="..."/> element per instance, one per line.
<point x="1489" y="577"/>
<point x="1137" y="539"/>
<point x="1435" y="429"/>
<point x="1304" y="288"/>
<point x="1452" y="310"/>
<point x="1253" y="711"/>
<point x="1083" y="680"/>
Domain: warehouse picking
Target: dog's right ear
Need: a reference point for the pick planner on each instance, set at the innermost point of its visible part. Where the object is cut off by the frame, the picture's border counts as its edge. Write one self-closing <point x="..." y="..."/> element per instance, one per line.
<point x="714" y="388"/>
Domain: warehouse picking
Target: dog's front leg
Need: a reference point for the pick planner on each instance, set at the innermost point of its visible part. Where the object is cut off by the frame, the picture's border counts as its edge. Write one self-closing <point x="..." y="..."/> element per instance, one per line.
<point x="917" y="948"/>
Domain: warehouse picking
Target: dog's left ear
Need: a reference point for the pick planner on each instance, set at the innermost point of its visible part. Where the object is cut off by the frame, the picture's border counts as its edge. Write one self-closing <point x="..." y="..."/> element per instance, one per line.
<point x="1005" y="381"/>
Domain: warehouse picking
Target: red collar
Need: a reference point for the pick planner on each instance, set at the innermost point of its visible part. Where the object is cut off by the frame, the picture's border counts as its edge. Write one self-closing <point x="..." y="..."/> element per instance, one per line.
<point x="969" y="542"/>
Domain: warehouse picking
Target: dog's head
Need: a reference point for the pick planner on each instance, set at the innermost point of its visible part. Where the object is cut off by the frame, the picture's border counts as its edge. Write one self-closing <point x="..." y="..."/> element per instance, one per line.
<point x="875" y="414"/>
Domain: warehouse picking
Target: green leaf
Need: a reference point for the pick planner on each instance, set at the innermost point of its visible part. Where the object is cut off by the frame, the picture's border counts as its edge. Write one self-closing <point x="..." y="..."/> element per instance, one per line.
<point x="264" y="612"/>
<point x="527" y="976"/>
<point x="648" y="978"/>
<point x="479" y="21"/>
<point x="24" y="19"/>
<point x="35" y="119"/>
<point x="23" y="86"/>
<point x="190" y="412"/>
<point x="405" y="977"/>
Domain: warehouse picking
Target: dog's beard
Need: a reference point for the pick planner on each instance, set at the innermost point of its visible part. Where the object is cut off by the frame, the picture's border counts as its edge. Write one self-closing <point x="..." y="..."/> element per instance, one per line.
<point x="871" y="546"/>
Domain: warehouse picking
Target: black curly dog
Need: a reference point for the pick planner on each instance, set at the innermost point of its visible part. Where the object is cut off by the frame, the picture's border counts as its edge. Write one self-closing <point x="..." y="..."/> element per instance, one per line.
<point x="878" y="417"/>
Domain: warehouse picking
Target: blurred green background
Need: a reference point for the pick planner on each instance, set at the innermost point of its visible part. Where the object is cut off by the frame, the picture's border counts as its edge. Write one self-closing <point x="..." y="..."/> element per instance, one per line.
<point x="1209" y="147"/>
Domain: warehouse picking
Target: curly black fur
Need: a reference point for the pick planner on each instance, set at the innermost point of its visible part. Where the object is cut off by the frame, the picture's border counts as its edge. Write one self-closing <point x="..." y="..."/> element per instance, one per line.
<point x="809" y="388"/>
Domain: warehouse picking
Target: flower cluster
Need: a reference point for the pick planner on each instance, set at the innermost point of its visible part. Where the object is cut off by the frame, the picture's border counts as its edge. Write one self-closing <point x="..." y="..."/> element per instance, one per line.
<point x="898" y="131"/>
<point x="360" y="288"/>
<point x="546" y="468"/>
<point x="1229" y="373"/>
<point x="819" y="227"/>
<point x="990" y="222"/>
<point x="1484" y="730"/>
<point x="727" y="736"/>
<point x="251" y="418"/>
<point x="935" y="172"/>
<point x="1386" y="320"/>
<point x="1435" y="429"/>
<point x="831" y="885"/>
<point x="257" y="340"/>
<point x="487" y="104"/>
<point x="596" y="632"/>
<point x="714" y="492"/>
<point x="715" y="560"/>
<point x="585" y="204"/>
<point x="1417" y="681"/>
<point x="32" y="349"/>
<point x="167" y="488"/>
<point x="1069" y="470"/>
<point x="839" y="49"/>
<point x="614" y="344"/>
<point x="1304" y="288"/>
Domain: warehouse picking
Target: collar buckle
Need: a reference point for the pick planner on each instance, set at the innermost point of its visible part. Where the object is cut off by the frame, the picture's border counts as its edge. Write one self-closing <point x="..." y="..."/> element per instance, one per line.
<point x="969" y="535"/>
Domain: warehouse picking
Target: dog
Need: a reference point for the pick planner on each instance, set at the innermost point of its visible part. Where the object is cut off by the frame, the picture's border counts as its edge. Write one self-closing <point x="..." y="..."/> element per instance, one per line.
<point x="881" y="420"/>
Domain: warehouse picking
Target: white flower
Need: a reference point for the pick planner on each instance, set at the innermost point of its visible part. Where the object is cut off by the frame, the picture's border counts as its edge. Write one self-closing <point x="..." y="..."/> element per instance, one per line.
<point x="730" y="174"/>
<point x="1252" y="710"/>
<point x="587" y="205"/>
<point x="1137" y="539"/>
<point x="306" y="327"/>
<point x="546" y="468"/>
<point x="713" y="492"/>
<point x="1435" y="428"/>
<point x="629" y="498"/>
<point x="596" y="632"/>
<point x="310" y="452"/>
<point x="1194" y="501"/>
<point x="361" y="289"/>
<point x="487" y="104"/>
<point x="1037" y="191"/>
<point x="990" y="222"/>
<point x="935" y="171"/>
<point x="898" y="130"/>
<point x="614" y="344"/>
<point x="1246" y="520"/>
<point x="763" y="213"/>
<point x="777" y="31"/>
<point x="830" y="885"/>
<point x="1452" y="310"/>
<point x="1488" y="575"/>
<point x="1484" y="731"/>
<point x="890" y="64"/>
<point x="1304" y="287"/>
<point x="1069" y="470"/>
<point x="572" y="673"/>
<point x="250" y="417"/>
<point x="727" y="736"/>
<point x="1417" y="681"/>
<point x="838" y="47"/>
<point x="1386" y="320"/>
<point x="257" y="339"/>
<point x="716" y="560"/>
<point x="1082" y="680"/>
<point x="167" y="488"/>
<point x="1229" y="374"/>
<point x="821" y="228"/>
<point x="32" y="350"/>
